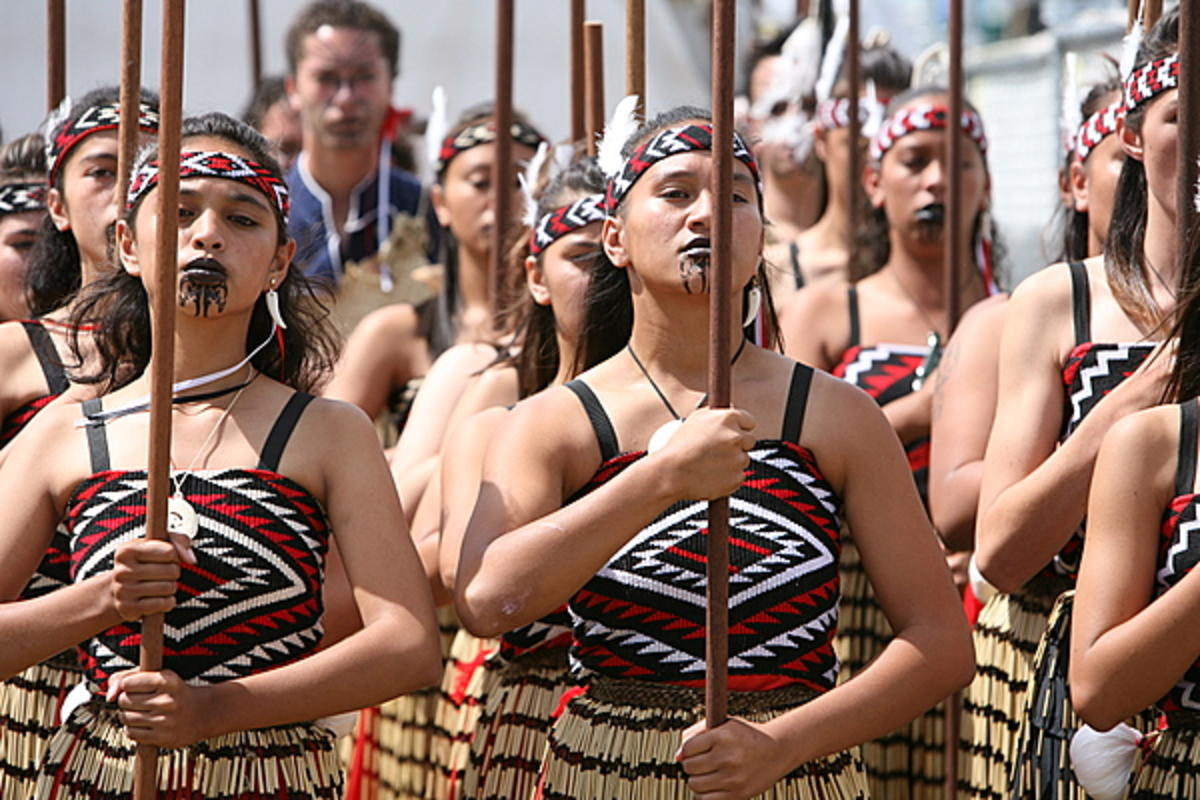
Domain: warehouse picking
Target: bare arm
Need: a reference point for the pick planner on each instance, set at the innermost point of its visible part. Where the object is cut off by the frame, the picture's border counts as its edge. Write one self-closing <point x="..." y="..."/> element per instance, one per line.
<point x="426" y="530"/>
<point x="1128" y="648"/>
<point x="964" y="404"/>
<point x="1034" y="493"/>
<point x="815" y="324"/>
<point x="376" y="359"/>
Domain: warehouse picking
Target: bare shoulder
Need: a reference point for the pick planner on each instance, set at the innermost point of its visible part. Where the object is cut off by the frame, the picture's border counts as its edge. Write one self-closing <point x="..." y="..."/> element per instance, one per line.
<point x="552" y="426"/>
<point x="495" y="386"/>
<point x="986" y="315"/>
<point x="1045" y="295"/>
<point x="1146" y="437"/>
<point x="399" y="319"/>
<point x="50" y="451"/>
<point x="472" y="356"/>
<point x="841" y="423"/>
<point x="815" y="322"/>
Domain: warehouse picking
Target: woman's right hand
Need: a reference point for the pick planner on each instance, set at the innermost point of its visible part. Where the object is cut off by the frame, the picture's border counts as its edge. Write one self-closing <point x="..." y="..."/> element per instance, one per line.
<point x="144" y="575"/>
<point x="707" y="457"/>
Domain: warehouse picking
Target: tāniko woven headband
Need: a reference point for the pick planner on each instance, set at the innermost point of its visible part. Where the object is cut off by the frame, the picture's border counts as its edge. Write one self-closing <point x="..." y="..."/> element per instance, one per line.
<point x="1150" y="80"/>
<point x="1096" y="127"/>
<point x="670" y="142"/>
<point x="479" y="134"/>
<point x="561" y="221"/>
<point x="923" y="117"/>
<point x="18" y="197"/>
<point x="833" y="114"/>
<point x="216" y="165"/>
<point x="95" y="119"/>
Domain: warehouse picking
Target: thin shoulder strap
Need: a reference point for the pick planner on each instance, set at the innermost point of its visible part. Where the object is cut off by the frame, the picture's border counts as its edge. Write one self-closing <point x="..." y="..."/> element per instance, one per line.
<point x="1081" y="302"/>
<point x="47" y="356"/>
<point x="97" y="436"/>
<point x="281" y="431"/>
<point x="606" y="437"/>
<point x="1185" y="473"/>
<point x="797" y="403"/>
<point x="852" y="300"/>
<point x="794" y="258"/>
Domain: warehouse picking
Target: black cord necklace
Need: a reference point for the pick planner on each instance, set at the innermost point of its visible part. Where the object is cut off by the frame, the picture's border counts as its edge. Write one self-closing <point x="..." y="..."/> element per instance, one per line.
<point x="664" y="433"/>
<point x="104" y="417"/>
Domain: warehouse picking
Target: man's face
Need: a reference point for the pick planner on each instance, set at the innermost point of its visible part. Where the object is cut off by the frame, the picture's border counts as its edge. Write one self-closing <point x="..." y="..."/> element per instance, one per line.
<point x="342" y="88"/>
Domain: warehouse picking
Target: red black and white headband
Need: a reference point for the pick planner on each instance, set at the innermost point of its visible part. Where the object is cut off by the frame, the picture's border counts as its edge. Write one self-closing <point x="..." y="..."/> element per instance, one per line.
<point x="18" y="197"/>
<point x="482" y="133"/>
<point x="1150" y="80"/>
<point x="835" y="113"/>
<point x="1096" y="127"/>
<point x="672" y="142"/>
<point x="561" y="221"/>
<point x="216" y="165"/>
<point x="93" y="120"/>
<point x="924" y="117"/>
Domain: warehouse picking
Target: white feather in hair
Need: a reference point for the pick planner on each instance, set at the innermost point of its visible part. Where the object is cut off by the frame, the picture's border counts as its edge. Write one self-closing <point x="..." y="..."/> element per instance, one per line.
<point x="436" y="127"/>
<point x="875" y="112"/>
<point x="1132" y="43"/>
<point x="835" y="50"/>
<point x="617" y="132"/>
<point x="529" y="183"/>
<point x="797" y="71"/>
<point x="932" y="67"/>
<point x="1071" y="117"/>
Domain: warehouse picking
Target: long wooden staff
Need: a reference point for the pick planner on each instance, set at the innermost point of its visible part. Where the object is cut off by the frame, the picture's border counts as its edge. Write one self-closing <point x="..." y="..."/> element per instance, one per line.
<point x="578" y="131"/>
<point x="1189" y="129"/>
<point x="854" y="74"/>
<point x="502" y="166"/>
<point x="954" y="241"/>
<point x="593" y="73"/>
<point x="56" y="52"/>
<point x="162" y="354"/>
<point x="635" y="52"/>
<point x="720" y="321"/>
<point x="255" y="43"/>
<point x="131" y="84"/>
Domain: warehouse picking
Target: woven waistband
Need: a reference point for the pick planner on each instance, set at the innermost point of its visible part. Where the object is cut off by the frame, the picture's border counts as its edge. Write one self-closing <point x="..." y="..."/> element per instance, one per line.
<point x="1183" y="720"/>
<point x="551" y="657"/>
<point x="1048" y="587"/>
<point x="644" y="694"/>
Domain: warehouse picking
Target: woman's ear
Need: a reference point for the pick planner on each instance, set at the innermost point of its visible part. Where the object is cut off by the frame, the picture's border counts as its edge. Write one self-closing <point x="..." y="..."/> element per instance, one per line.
<point x="1131" y="140"/>
<point x="612" y="236"/>
<point x="438" y="198"/>
<point x="871" y="185"/>
<point x="535" y="279"/>
<point x="1077" y="186"/>
<point x="127" y="251"/>
<point x="279" y="265"/>
<point x="56" y="207"/>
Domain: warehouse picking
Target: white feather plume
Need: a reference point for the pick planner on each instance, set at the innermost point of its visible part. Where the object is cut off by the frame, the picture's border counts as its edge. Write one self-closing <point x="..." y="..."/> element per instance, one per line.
<point x="55" y="118"/>
<point x="529" y="182"/>
<point x="835" y="51"/>
<point x="797" y="71"/>
<point x="875" y="112"/>
<point x="932" y="67"/>
<point x="436" y="127"/>
<point x="617" y="132"/>
<point x="1132" y="43"/>
<point x="1071" y="117"/>
<point x="1103" y="760"/>
<point x="564" y="154"/>
<point x="793" y="130"/>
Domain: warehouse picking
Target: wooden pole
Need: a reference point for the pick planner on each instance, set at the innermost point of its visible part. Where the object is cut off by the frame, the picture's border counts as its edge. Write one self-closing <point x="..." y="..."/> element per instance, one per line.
<point x="954" y="247"/>
<point x="1154" y="11"/>
<point x="131" y="83"/>
<point x="502" y="165"/>
<point x="593" y="70"/>
<point x="716" y="651"/>
<point x="255" y="44"/>
<point x="854" y="74"/>
<point x="162" y="354"/>
<point x="1189" y="129"/>
<point x="635" y="52"/>
<point x="56" y="52"/>
<point x="578" y="129"/>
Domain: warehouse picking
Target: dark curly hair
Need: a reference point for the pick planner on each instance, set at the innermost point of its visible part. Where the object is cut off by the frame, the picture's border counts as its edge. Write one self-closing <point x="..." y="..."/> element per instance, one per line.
<point x="117" y="310"/>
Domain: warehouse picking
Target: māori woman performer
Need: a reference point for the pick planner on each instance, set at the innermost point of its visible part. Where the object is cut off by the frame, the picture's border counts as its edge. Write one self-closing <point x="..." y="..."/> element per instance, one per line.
<point x="589" y="499"/>
<point x="22" y="210"/>
<point x="264" y="477"/>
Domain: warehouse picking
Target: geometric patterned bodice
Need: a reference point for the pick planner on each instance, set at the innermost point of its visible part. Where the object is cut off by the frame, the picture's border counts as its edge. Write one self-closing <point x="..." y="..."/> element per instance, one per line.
<point x="252" y="602"/>
<point x="1179" y="548"/>
<point x="1091" y="371"/>
<point x="642" y="616"/>
<point x="886" y="372"/>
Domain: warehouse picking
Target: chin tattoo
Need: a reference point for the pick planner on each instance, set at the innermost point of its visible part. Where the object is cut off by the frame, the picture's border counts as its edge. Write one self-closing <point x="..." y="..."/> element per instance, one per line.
<point x="205" y="297"/>
<point x="693" y="273"/>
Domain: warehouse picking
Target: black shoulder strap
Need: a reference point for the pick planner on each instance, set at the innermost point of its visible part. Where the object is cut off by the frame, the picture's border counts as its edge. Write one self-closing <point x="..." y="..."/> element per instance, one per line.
<point x="97" y="436"/>
<point x="1081" y="302"/>
<point x="281" y="431"/>
<point x="47" y="356"/>
<point x="794" y="258"/>
<point x="1185" y="473"/>
<point x="797" y="402"/>
<point x="606" y="437"/>
<point x="852" y="299"/>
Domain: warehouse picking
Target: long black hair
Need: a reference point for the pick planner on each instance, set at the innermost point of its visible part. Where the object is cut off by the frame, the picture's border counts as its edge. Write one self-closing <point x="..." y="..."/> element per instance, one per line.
<point x="1124" y="252"/>
<point x="609" y="316"/>
<point x="117" y="310"/>
<point x="54" y="275"/>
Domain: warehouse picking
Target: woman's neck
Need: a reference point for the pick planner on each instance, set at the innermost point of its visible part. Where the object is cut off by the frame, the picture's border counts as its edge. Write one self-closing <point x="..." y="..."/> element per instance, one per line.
<point x="923" y="276"/>
<point x="671" y="336"/>
<point x="203" y="347"/>
<point x="567" y="353"/>
<point x="792" y="202"/>
<point x="1159" y="253"/>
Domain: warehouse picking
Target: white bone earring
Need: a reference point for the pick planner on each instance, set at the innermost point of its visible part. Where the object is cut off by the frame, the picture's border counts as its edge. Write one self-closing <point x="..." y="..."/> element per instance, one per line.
<point x="753" y="303"/>
<point x="273" y="308"/>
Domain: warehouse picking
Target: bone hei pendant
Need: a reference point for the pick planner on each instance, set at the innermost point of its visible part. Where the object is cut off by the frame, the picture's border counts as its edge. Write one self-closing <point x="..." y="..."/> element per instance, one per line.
<point x="181" y="517"/>
<point x="663" y="435"/>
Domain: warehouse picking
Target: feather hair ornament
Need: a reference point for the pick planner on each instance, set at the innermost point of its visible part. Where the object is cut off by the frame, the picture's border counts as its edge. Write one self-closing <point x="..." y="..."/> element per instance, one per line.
<point x="875" y="112"/>
<point x="529" y="180"/>
<point x="835" y="51"/>
<point x="619" y="130"/>
<point x="797" y="71"/>
<point x="1132" y="43"/>
<point x="436" y="127"/>
<point x="1071" y="117"/>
